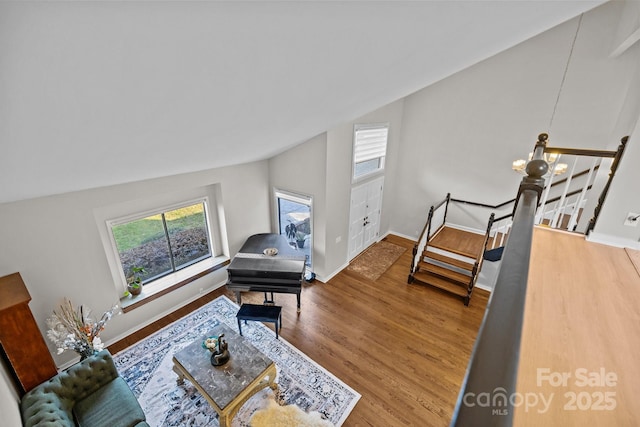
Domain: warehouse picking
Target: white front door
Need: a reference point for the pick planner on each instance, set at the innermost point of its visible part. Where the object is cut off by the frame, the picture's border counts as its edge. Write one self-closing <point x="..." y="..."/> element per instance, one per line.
<point x="372" y="218"/>
<point x="364" y="218"/>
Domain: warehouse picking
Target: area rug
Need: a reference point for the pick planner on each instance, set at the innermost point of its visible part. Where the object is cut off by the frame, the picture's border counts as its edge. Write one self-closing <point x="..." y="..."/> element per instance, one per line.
<point x="373" y="262"/>
<point x="147" y="369"/>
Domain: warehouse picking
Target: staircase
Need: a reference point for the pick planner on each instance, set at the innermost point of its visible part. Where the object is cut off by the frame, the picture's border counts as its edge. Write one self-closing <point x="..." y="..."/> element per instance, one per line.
<point x="449" y="259"/>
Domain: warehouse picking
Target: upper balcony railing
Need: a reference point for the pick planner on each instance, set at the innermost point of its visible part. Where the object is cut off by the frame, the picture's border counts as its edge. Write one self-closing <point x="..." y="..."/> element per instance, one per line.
<point x="493" y="367"/>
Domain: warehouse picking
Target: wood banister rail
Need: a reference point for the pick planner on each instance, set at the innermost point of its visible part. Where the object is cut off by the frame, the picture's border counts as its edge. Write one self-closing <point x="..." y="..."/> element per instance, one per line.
<point x="480" y="257"/>
<point x="493" y="366"/>
<point x="421" y="243"/>
<point x="569" y="194"/>
<point x="612" y="172"/>
<point x="580" y="152"/>
<point x="509" y="215"/>
<point x="434" y="208"/>
<point x="483" y="205"/>
<point x="508" y="202"/>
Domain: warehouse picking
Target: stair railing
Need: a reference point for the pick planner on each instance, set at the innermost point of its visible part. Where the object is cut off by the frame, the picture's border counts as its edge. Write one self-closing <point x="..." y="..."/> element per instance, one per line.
<point x="617" y="156"/>
<point x="477" y="266"/>
<point x="552" y="211"/>
<point x="493" y="365"/>
<point x="562" y="204"/>
<point x="551" y="185"/>
<point x="500" y="230"/>
<point x="435" y="220"/>
<point x="553" y="206"/>
<point x="582" y="199"/>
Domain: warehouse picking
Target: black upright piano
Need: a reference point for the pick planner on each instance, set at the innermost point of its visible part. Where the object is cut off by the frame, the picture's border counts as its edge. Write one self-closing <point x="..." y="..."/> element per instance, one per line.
<point x="253" y="270"/>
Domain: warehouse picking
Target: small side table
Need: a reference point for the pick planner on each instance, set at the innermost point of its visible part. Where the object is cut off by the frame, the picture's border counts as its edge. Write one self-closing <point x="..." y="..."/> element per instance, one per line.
<point x="260" y="313"/>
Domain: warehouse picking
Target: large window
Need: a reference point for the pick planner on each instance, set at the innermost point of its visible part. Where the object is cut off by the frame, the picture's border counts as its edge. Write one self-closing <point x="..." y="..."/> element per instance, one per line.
<point x="163" y="242"/>
<point x="369" y="149"/>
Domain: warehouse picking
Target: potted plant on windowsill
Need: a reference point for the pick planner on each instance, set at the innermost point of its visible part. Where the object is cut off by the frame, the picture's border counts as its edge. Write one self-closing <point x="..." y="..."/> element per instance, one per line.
<point x="134" y="283"/>
<point x="300" y="237"/>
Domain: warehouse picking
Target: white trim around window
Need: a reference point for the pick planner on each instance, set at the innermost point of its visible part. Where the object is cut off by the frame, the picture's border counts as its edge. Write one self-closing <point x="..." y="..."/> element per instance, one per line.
<point x="108" y="216"/>
<point x="369" y="150"/>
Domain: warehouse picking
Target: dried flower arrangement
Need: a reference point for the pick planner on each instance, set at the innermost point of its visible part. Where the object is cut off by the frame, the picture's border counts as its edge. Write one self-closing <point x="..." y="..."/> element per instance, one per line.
<point x="75" y="329"/>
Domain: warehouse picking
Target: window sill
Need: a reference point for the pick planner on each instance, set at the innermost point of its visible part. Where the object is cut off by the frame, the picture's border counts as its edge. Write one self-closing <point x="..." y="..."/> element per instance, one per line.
<point x="172" y="282"/>
<point x="367" y="176"/>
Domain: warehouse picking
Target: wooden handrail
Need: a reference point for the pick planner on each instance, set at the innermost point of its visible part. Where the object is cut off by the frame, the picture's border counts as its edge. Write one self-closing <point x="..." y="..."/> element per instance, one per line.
<point x="422" y="241"/>
<point x="477" y="266"/>
<point x="572" y="193"/>
<point x="503" y="217"/>
<point x="483" y="205"/>
<point x="493" y="366"/>
<point x="580" y="152"/>
<point x="575" y="175"/>
<point x="605" y="191"/>
<point x="508" y="202"/>
<point x="431" y="210"/>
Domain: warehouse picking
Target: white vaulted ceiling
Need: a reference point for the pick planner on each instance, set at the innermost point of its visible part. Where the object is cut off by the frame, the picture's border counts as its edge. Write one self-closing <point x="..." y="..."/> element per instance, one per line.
<point x="101" y="93"/>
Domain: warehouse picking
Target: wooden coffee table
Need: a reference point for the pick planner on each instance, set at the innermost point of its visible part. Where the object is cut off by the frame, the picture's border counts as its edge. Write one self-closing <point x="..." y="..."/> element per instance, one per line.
<point x="229" y="386"/>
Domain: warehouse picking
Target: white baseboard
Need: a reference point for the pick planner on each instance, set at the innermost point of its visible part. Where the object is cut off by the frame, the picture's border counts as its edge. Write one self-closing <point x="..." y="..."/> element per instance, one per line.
<point x="325" y="279"/>
<point x="464" y="228"/>
<point x="484" y="287"/>
<point x="164" y="314"/>
<point x="609" y="240"/>
<point x="395" y="233"/>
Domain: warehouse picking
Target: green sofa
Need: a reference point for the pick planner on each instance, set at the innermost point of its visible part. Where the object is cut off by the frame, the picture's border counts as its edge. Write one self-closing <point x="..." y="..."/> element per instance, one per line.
<point x="90" y="393"/>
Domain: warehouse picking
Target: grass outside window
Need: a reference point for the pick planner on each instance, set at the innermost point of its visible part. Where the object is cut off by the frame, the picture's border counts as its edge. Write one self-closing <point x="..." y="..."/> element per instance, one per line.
<point x="163" y="243"/>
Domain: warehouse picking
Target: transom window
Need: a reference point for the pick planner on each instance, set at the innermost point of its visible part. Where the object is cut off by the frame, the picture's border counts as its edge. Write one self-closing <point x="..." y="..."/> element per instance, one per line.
<point x="369" y="149"/>
<point x="163" y="242"/>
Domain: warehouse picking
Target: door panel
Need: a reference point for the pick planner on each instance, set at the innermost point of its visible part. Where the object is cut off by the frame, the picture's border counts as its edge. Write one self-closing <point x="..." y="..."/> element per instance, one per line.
<point x="372" y="218"/>
<point x="358" y="212"/>
<point x="364" y="219"/>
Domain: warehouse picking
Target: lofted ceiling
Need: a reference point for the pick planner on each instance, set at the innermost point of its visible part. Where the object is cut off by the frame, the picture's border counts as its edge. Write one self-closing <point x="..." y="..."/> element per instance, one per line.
<point x="100" y="93"/>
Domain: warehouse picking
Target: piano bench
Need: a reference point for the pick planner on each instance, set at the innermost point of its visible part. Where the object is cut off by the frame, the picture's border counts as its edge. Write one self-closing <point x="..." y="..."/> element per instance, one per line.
<point x="260" y="313"/>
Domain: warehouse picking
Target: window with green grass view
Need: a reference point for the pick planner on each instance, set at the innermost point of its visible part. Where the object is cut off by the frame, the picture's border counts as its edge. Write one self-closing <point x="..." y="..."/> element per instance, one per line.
<point x="163" y="243"/>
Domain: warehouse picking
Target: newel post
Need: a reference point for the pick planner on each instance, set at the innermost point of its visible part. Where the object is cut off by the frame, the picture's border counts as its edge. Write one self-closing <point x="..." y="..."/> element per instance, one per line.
<point x="536" y="169"/>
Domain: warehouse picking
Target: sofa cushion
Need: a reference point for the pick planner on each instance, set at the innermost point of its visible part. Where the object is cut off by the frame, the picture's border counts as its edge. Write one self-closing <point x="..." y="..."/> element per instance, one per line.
<point x="52" y="401"/>
<point x="112" y="405"/>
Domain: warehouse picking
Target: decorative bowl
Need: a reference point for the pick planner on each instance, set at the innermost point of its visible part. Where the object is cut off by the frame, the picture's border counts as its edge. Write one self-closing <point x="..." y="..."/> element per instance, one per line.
<point x="270" y="251"/>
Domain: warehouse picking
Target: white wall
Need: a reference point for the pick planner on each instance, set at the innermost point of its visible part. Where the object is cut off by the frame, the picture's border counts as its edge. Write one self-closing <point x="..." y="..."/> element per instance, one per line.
<point x="339" y="164"/>
<point x="622" y="199"/>
<point x="461" y="134"/>
<point x="321" y="167"/>
<point x="302" y="170"/>
<point x="9" y="400"/>
<point x="54" y="242"/>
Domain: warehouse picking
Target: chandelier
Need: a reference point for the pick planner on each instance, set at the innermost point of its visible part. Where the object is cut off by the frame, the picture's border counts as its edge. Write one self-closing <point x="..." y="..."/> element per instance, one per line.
<point x="555" y="168"/>
<point x="551" y="159"/>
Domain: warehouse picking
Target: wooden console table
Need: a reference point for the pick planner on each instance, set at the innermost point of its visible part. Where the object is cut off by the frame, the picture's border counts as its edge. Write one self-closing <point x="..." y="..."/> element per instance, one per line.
<point x="20" y="336"/>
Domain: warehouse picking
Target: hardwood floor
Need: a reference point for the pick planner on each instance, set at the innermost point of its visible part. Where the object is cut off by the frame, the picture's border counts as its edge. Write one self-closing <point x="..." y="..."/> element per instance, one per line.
<point x="580" y="321"/>
<point x="404" y="348"/>
<point x="458" y="241"/>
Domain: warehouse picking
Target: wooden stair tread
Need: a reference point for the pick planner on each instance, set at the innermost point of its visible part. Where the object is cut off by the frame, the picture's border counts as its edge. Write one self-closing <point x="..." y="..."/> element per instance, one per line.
<point x="456" y="276"/>
<point x="448" y="260"/>
<point x="458" y="242"/>
<point x="441" y="283"/>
